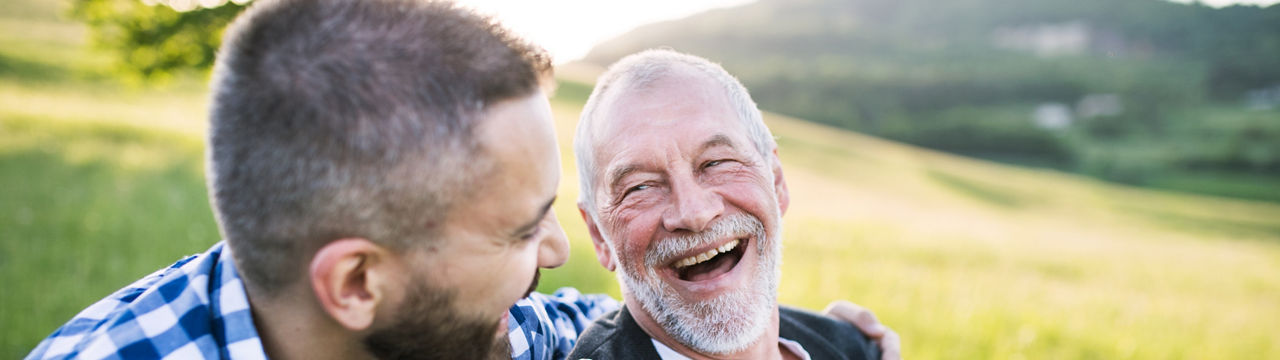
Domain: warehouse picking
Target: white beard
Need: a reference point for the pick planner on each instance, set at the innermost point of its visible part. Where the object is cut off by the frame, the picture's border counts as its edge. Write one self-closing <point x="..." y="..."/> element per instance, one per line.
<point x="725" y="324"/>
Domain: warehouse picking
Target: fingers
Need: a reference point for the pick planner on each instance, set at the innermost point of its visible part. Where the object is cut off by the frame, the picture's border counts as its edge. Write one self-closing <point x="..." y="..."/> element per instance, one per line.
<point x="888" y="340"/>
<point x="858" y="316"/>
<point x="890" y="346"/>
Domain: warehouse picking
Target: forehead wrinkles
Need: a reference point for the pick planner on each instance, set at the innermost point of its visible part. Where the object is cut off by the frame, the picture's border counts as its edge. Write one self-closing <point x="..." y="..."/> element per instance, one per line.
<point x="656" y="139"/>
<point x="660" y="96"/>
<point x="641" y="159"/>
<point x="634" y="106"/>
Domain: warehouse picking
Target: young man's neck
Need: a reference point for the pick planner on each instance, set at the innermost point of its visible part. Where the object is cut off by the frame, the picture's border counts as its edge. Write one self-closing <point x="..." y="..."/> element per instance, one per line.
<point x="766" y="347"/>
<point x="293" y="326"/>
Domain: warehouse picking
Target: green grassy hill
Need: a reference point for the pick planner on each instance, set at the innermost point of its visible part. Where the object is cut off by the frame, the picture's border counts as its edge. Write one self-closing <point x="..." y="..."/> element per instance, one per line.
<point x="968" y="77"/>
<point x="969" y="259"/>
<point x="101" y="184"/>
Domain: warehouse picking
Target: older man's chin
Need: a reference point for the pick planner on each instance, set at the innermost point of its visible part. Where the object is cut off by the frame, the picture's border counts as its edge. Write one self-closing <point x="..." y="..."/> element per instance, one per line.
<point x="721" y="325"/>
<point x="727" y="322"/>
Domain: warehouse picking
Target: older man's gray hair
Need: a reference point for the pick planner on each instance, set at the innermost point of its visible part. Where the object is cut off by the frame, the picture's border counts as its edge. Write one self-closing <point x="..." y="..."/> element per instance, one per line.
<point x="638" y="71"/>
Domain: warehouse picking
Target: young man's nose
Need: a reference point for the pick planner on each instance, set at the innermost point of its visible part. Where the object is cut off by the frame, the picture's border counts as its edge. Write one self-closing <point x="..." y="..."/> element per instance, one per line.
<point x="554" y="249"/>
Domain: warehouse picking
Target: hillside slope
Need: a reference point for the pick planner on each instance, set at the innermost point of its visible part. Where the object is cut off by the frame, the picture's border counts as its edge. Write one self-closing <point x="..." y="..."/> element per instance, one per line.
<point x="1146" y="92"/>
<point x="972" y="259"/>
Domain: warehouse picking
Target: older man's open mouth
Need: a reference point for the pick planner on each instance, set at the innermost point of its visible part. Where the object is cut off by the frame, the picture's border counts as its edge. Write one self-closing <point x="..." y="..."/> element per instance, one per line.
<point x="711" y="262"/>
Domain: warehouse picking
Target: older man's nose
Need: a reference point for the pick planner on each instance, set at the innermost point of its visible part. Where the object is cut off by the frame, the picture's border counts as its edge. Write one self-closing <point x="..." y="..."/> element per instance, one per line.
<point x="693" y="208"/>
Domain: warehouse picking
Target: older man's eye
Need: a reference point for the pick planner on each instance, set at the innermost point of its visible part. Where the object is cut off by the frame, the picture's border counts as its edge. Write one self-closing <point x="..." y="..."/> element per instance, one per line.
<point x="714" y="163"/>
<point x="634" y="189"/>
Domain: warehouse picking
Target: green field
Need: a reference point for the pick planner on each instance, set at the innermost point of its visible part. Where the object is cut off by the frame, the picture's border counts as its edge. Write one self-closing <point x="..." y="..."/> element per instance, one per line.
<point x="101" y="184"/>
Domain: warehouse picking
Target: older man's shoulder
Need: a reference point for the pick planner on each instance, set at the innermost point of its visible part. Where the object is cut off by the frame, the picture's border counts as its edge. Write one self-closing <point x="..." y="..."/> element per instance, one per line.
<point x="824" y="337"/>
<point x="614" y="335"/>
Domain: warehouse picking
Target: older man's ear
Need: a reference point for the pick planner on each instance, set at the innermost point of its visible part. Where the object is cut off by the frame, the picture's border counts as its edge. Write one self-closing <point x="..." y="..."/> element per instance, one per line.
<point x="604" y="254"/>
<point x="780" y="184"/>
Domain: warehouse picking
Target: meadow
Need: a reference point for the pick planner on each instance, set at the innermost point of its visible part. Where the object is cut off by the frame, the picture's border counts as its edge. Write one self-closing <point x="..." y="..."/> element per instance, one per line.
<point x="102" y="183"/>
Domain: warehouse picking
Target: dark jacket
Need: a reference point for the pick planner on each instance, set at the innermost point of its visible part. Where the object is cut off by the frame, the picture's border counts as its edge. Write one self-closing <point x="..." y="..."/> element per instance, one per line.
<point x="617" y="336"/>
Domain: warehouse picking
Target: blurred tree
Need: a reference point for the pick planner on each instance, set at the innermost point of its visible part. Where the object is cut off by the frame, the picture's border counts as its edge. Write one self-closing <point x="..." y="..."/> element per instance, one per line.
<point x="152" y="40"/>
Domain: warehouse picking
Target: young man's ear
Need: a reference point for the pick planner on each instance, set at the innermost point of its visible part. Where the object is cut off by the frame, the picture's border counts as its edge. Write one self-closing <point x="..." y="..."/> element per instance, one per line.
<point x="780" y="184"/>
<point x="604" y="254"/>
<point x="350" y="278"/>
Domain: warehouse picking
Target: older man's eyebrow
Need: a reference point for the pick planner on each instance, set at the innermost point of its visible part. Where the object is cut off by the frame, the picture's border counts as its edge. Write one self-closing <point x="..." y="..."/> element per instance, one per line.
<point x="716" y="140"/>
<point x="621" y="172"/>
<point x="533" y="223"/>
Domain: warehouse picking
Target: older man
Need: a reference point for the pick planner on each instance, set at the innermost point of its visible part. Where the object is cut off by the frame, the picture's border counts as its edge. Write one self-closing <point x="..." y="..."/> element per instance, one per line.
<point x="683" y="193"/>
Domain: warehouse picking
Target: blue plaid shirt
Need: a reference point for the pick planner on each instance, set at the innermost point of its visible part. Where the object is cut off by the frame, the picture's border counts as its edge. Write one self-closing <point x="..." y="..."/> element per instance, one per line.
<point x="197" y="309"/>
<point x="545" y="327"/>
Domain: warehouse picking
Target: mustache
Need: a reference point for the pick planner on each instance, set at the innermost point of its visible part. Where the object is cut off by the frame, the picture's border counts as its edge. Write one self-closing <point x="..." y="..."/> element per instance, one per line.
<point x="737" y="225"/>
<point x="537" y="274"/>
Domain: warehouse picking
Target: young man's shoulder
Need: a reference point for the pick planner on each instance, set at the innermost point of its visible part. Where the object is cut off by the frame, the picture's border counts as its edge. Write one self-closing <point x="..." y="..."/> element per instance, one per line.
<point x="194" y="307"/>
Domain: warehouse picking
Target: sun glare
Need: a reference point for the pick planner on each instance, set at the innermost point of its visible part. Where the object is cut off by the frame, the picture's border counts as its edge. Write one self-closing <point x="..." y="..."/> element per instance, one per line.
<point x="1222" y="3"/>
<point x="569" y="28"/>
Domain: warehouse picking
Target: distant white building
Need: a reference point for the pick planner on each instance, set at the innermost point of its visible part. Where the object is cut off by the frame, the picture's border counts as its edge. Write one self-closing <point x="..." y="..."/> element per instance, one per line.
<point x="1059" y="39"/>
<point x="1056" y="116"/>
<point x="1045" y="40"/>
<point x="1264" y="98"/>
<point x="1094" y="105"/>
<point x="1053" y="116"/>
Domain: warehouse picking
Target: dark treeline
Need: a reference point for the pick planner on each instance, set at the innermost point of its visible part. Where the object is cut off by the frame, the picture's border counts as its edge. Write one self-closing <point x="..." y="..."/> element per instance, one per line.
<point x="1147" y="92"/>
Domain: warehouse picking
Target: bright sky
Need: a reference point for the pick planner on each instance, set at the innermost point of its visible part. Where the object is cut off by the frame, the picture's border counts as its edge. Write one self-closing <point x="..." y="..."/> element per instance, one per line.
<point x="569" y="28"/>
<point x="1221" y="3"/>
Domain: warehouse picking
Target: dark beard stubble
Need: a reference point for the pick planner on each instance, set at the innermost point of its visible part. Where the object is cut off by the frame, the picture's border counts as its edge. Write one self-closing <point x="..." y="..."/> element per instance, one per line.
<point x="431" y="327"/>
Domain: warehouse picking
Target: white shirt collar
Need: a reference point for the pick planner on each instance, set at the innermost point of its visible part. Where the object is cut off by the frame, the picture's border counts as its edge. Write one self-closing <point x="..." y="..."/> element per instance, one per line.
<point x="666" y="353"/>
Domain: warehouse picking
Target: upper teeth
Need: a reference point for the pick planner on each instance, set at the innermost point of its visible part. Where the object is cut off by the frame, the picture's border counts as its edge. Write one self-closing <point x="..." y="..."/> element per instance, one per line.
<point x="707" y="255"/>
